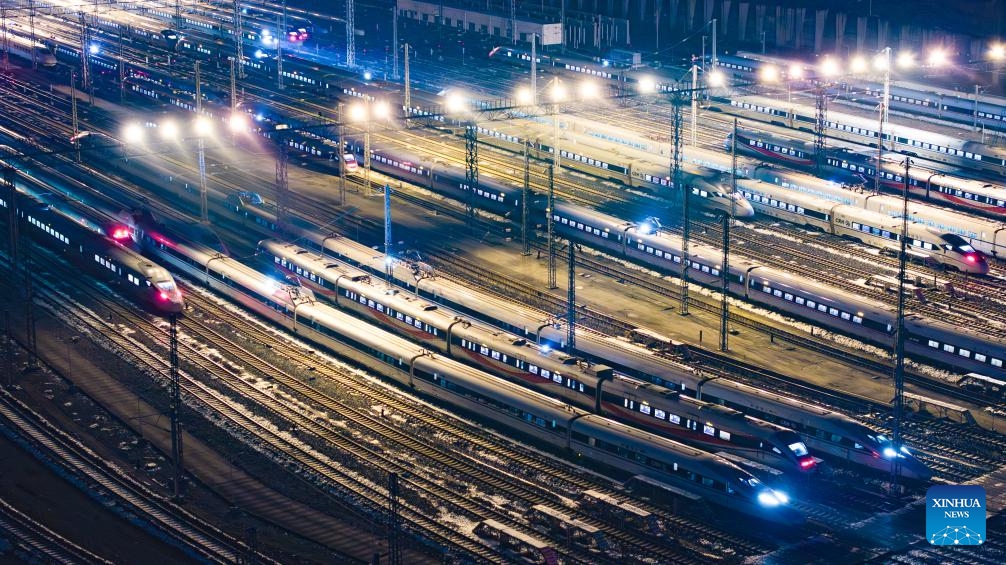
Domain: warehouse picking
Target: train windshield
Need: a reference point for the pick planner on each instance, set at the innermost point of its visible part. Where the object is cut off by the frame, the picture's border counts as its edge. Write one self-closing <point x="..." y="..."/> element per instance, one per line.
<point x="798" y="449"/>
<point x="166" y="286"/>
<point x="958" y="243"/>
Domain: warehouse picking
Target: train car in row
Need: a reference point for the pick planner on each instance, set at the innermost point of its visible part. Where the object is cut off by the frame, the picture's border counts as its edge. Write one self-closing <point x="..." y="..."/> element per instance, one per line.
<point x="986" y="198"/>
<point x="65" y="228"/>
<point x="826" y="433"/>
<point x="592" y="387"/>
<point x="413" y="365"/>
<point x="872" y="228"/>
<point x="24" y="48"/>
<point x="900" y="138"/>
<point x="803" y="298"/>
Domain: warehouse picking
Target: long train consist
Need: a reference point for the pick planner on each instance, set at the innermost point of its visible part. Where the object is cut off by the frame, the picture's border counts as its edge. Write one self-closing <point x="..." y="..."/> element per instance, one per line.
<point x="24" y="48"/>
<point x="825" y="432"/>
<point x="973" y="195"/>
<point x="415" y="366"/>
<point x="873" y="228"/>
<point x="592" y="387"/>
<point x="958" y="348"/>
<point x="60" y="225"/>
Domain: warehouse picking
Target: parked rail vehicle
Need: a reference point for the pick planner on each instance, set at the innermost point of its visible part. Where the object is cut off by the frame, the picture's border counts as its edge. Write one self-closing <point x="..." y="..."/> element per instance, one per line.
<point x="921" y="100"/>
<point x="24" y="48"/>
<point x="816" y="302"/>
<point x="826" y="433"/>
<point x="56" y="224"/>
<point x="902" y="139"/>
<point x="872" y="228"/>
<point x="592" y="387"/>
<point x="987" y="198"/>
<point x="413" y="365"/>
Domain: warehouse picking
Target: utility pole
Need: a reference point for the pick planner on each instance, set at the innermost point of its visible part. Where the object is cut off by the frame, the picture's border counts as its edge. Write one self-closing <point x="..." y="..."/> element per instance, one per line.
<point x="899" y="339"/>
<point x="525" y="195"/>
<point x="29" y="303"/>
<point x="695" y="104"/>
<point x="239" y="39"/>
<point x="85" y="59"/>
<point x="388" y="261"/>
<point x="73" y="115"/>
<point x="9" y="180"/>
<point x="571" y="301"/>
<point x="534" y="70"/>
<point x="175" y="407"/>
<point x="471" y="170"/>
<point x="31" y="31"/>
<point x="341" y="152"/>
<point x="394" y="40"/>
<point x="282" y="184"/>
<point x="820" y="127"/>
<point x="725" y="267"/>
<point x="676" y="177"/>
<point x="551" y="228"/>
<point x="6" y="39"/>
<point x="350" y="34"/>
<point x="280" y="35"/>
<point x="513" y="21"/>
<point x="408" y="87"/>
<point x="884" y="105"/>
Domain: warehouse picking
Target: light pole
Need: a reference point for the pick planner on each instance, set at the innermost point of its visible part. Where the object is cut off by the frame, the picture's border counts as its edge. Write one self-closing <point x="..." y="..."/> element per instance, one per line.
<point x="885" y="65"/>
<point x="366" y="113"/>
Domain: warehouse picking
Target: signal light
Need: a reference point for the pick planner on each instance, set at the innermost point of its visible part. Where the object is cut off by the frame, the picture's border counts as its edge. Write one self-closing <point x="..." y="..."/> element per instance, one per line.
<point x="120" y="233"/>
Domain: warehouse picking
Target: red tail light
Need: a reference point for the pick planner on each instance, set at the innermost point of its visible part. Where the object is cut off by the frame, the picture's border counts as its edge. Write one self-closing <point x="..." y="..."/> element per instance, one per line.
<point x="807" y="463"/>
<point x="120" y="233"/>
<point x="163" y="295"/>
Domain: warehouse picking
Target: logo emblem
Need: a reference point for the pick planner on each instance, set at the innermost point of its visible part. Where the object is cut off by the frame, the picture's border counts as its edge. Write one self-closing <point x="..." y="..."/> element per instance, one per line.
<point x="955" y="515"/>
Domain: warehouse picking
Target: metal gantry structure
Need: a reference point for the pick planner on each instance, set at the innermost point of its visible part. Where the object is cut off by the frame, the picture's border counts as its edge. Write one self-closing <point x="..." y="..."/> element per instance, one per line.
<point x="899" y="337"/>
<point x="550" y="223"/>
<point x="571" y="301"/>
<point x="175" y="402"/>
<point x="350" y="33"/>
<point x="677" y="100"/>
<point x="471" y="170"/>
<point x="820" y="127"/>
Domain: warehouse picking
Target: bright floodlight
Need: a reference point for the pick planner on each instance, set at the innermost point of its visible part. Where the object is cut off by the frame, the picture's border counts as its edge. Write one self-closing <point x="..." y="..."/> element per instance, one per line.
<point x="858" y="65"/>
<point x="882" y="62"/>
<point x="133" y="133"/>
<point x="716" y="78"/>
<point x="998" y="51"/>
<point x="169" y="131"/>
<point x="358" y="112"/>
<point x="367" y="75"/>
<point x="796" y="71"/>
<point x="937" y="58"/>
<point x="455" y="103"/>
<point x="905" y="60"/>
<point x="589" y="89"/>
<point x="557" y="93"/>
<point x="238" y="122"/>
<point x="829" y="67"/>
<point x="381" y="110"/>
<point x="524" y="96"/>
<point x="646" y="85"/>
<point x="769" y="73"/>
<point x="203" y="126"/>
<point x="94" y="49"/>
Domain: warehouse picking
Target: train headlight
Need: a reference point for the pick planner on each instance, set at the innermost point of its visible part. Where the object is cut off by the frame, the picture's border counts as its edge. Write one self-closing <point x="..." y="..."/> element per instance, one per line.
<point x="783" y="497"/>
<point x="889" y="452"/>
<point x="767" y="499"/>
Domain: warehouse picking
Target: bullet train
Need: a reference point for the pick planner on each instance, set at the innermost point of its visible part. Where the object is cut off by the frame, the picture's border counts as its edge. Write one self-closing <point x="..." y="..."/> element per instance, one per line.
<point x="897" y="137"/>
<point x="413" y="365"/>
<point x="917" y="99"/>
<point x="496" y="197"/>
<point x="826" y="433"/>
<point x="592" y="387"/>
<point x="61" y="226"/>
<point x="872" y="228"/>
<point x="954" y="347"/>
<point x="985" y="235"/>
<point x="987" y="198"/>
<point x="24" y="48"/>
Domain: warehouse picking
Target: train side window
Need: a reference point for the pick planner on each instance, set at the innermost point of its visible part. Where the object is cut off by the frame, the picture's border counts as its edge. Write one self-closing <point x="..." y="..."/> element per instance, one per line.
<point x="996" y="362"/>
<point x="675" y="419"/>
<point x="933" y="343"/>
<point x="948" y="348"/>
<point x="708" y="430"/>
<point x="980" y="358"/>
<point x="964" y="353"/>
<point x="833" y="311"/>
<point x="724" y="435"/>
<point x="645" y="409"/>
<point x="811" y="304"/>
<point x="822" y="308"/>
<point x="800" y="300"/>
<point x="658" y="413"/>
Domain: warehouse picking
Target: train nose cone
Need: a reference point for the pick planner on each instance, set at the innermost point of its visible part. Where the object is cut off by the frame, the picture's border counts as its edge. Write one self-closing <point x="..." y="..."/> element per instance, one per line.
<point x="744" y="209"/>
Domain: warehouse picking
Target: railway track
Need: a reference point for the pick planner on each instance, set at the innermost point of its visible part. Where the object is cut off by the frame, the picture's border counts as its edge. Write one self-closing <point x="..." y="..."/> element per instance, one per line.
<point x="34" y="539"/>
<point x="127" y="495"/>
